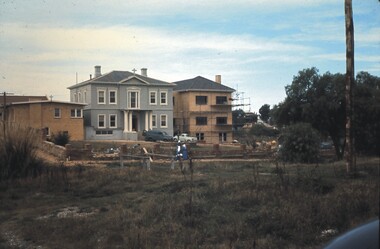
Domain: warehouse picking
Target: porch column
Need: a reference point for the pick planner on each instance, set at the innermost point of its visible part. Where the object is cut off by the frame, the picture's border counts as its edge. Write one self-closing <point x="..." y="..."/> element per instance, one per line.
<point x="146" y="120"/>
<point x="130" y="121"/>
<point x="126" y="121"/>
<point x="150" y="119"/>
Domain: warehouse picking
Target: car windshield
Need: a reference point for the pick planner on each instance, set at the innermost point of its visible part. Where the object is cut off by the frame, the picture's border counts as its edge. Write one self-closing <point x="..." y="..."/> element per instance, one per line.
<point x="164" y="132"/>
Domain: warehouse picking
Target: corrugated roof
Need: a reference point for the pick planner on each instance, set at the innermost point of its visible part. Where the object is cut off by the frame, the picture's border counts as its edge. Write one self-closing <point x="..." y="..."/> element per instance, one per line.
<point x="200" y="83"/>
<point x="122" y="76"/>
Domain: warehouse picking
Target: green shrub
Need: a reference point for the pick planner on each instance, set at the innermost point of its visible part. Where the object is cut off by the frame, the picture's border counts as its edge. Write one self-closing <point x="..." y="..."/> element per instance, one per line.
<point x="18" y="152"/>
<point x="299" y="144"/>
<point x="61" y="138"/>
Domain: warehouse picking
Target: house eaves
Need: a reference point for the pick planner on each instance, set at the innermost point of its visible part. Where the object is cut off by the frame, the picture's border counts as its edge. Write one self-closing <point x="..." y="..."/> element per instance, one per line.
<point x="121" y="77"/>
<point x="204" y="90"/>
<point x="200" y="83"/>
<point x="45" y="102"/>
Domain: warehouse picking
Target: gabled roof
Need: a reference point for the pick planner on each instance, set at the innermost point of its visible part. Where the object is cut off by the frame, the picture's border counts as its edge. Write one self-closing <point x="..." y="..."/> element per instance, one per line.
<point x="118" y="77"/>
<point x="200" y="83"/>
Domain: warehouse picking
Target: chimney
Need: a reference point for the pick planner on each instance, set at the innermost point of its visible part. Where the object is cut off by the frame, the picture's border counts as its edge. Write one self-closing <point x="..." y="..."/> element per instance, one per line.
<point x="97" y="71"/>
<point x="144" y="72"/>
<point x="218" y="79"/>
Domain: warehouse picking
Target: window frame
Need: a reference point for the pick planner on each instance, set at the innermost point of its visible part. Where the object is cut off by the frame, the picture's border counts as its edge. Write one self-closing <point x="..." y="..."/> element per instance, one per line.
<point x="104" y="121"/>
<point x="103" y="133"/>
<point x="164" y="117"/>
<point x="198" y="99"/>
<point x="110" y="121"/>
<point x="48" y="132"/>
<point x="115" y="97"/>
<point x="104" y="97"/>
<point x="222" y="136"/>
<point x="165" y="98"/>
<point x="129" y="98"/>
<point x="80" y="113"/>
<point x="200" y="136"/>
<point x="154" y="121"/>
<point x="75" y="112"/>
<point x="201" y="120"/>
<point x="221" y="118"/>
<point x="221" y="102"/>
<point x="155" y="97"/>
<point x="55" y="112"/>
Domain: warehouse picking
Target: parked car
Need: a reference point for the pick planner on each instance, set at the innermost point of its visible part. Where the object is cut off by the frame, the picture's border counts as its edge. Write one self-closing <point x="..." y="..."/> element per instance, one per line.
<point x="156" y="135"/>
<point x="184" y="137"/>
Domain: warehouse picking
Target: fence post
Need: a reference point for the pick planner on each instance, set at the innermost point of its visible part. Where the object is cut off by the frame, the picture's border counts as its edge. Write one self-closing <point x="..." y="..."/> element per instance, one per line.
<point x="123" y="150"/>
<point x="146" y="163"/>
<point x="88" y="150"/>
<point x="215" y="149"/>
<point x="68" y="151"/>
<point x="156" y="148"/>
<point x="243" y="148"/>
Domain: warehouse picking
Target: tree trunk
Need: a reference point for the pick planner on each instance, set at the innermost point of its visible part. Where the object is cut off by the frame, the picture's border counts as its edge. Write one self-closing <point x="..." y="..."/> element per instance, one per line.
<point x="349" y="83"/>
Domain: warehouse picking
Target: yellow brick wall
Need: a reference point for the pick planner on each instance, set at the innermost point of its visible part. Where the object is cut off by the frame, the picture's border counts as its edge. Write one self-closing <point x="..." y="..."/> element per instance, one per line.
<point x="186" y="109"/>
<point x="65" y="123"/>
<point x="41" y="115"/>
<point x="35" y="120"/>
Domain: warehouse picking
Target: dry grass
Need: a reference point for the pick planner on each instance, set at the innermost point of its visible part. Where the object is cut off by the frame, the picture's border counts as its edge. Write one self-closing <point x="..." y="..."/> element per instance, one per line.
<point x="227" y="205"/>
<point x="18" y="146"/>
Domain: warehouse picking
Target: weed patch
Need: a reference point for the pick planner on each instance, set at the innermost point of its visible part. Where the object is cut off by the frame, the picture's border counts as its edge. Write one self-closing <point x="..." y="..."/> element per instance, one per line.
<point x="252" y="205"/>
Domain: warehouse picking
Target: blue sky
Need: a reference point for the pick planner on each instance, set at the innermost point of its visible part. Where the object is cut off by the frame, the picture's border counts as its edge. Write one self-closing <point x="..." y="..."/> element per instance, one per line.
<point x="256" y="45"/>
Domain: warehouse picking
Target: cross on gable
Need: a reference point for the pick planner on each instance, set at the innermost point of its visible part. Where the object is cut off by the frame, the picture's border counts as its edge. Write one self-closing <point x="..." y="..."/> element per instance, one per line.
<point x="134" y="71"/>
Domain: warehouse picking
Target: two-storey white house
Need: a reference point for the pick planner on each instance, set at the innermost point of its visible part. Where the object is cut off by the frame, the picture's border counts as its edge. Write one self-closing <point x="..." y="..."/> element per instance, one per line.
<point x="122" y="104"/>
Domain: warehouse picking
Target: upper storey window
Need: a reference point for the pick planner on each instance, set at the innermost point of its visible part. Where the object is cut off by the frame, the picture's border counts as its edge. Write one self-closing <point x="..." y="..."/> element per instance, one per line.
<point x="164" y="97"/>
<point x="221" y="100"/>
<point x="133" y="99"/>
<point x="201" y="100"/>
<point x="112" y="97"/>
<point x="101" y="97"/>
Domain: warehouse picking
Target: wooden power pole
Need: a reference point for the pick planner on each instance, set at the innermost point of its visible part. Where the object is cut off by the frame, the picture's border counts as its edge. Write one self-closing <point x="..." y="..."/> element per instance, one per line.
<point x="4" y="112"/>
<point x="350" y="77"/>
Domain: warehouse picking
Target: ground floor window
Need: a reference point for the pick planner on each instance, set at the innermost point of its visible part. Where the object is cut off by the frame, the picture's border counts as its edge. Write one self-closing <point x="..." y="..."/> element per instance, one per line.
<point x="112" y="120"/>
<point x="222" y="137"/>
<point x="154" y="121"/>
<point x="101" y="121"/>
<point x="164" y="121"/>
<point x="200" y="136"/>
<point x="46" y="131"/>
<point x="104" y="132"/>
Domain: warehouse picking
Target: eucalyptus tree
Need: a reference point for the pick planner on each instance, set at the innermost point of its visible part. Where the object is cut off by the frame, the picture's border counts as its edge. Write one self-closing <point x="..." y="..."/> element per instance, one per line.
<point x="318" y="100"/>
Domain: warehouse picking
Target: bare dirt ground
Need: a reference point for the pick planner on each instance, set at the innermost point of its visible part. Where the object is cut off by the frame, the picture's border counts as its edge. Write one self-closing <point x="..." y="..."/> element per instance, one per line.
<point x="53" y="160"/>
<point x="47" y="157"/>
